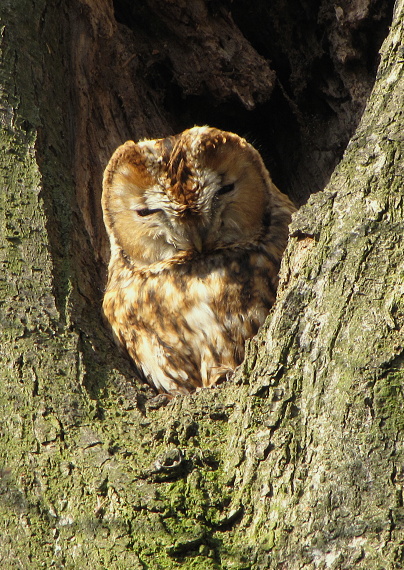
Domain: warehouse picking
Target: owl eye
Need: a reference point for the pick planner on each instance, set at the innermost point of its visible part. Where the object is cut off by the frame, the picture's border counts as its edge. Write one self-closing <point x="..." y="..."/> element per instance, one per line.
<point x="225" y="189"/>
<point x="147" y="212"/>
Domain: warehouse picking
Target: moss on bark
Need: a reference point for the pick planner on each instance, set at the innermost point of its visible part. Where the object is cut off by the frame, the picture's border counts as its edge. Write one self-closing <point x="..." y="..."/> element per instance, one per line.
<point x="295" y="464"/>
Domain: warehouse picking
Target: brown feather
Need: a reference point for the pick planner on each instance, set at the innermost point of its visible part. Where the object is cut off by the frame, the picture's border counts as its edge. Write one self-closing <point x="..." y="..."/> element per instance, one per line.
<point x="193" y="273"/>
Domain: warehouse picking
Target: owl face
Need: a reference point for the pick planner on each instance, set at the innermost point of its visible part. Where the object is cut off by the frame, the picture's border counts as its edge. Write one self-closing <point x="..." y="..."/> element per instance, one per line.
<point x="197" y="192"/>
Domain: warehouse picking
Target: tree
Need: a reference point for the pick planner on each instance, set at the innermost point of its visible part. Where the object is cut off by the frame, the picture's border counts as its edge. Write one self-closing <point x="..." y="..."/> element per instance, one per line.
<point x="298" y="462"/>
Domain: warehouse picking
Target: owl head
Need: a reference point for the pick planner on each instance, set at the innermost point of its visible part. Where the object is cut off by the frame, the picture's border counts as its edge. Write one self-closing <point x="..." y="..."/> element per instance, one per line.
<point x="196" y="192"/>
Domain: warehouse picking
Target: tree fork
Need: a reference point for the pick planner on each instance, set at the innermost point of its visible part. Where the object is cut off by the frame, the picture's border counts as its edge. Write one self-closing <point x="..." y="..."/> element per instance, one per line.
<point x="295" y="464"/>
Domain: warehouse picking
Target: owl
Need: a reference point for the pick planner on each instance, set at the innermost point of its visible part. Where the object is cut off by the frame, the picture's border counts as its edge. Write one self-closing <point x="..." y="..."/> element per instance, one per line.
<point x="197" y="230"/>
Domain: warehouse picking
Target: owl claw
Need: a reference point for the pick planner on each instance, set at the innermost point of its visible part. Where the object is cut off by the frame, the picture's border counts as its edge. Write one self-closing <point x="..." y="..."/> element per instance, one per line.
<point x="158" y="401"/>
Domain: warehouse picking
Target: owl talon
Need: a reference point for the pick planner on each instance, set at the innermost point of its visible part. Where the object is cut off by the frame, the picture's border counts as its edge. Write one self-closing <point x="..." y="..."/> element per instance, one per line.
<point x="158" y="401"/>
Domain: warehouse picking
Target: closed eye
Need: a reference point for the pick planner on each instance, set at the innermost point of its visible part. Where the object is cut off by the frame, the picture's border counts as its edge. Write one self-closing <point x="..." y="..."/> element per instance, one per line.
<point x="147" y="212"/>
<point x="225" y="189"/>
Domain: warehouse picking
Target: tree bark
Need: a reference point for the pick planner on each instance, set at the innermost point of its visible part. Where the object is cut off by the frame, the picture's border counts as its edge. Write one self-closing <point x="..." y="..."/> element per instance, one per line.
<point x="328" y="366"/>
<point x="295" y="464"/>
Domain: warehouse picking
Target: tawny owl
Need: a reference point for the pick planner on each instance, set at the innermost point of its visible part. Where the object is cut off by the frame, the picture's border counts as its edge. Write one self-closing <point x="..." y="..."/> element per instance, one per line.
<point x="197" y="231"/>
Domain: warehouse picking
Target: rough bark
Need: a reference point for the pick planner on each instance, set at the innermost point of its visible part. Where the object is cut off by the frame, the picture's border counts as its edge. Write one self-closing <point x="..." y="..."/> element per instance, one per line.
<point x="329" y="369"/>
<point x="297" y="463"/>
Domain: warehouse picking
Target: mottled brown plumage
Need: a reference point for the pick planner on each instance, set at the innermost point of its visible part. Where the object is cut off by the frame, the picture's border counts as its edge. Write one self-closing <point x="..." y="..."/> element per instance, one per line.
<point x="197" y="232"/>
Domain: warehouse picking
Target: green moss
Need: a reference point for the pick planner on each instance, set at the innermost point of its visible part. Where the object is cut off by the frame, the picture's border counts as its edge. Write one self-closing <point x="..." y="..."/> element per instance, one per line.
<point x="388" y="402"/>
<point x="268" y="470"/>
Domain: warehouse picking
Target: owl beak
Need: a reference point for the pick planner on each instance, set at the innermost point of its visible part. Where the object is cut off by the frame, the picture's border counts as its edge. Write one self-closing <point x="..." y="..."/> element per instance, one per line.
<point x="196" y="239"/>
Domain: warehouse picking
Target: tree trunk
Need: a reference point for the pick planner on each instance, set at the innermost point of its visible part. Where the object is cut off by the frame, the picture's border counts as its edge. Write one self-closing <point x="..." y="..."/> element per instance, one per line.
<point x="298" y="462"/>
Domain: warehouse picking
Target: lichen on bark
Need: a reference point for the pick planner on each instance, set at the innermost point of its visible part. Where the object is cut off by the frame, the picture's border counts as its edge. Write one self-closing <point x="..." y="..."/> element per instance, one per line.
<point x="333" y="357"/>
<point x="296" y="463"/>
